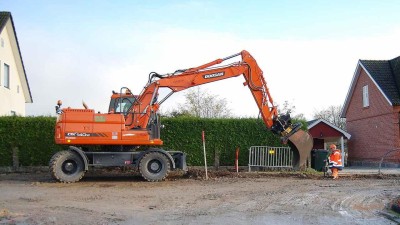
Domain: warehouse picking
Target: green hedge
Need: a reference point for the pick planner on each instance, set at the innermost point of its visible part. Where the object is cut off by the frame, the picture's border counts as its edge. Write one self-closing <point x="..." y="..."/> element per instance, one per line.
<point x="222" y="136"/>
<point x="34" y="137"/>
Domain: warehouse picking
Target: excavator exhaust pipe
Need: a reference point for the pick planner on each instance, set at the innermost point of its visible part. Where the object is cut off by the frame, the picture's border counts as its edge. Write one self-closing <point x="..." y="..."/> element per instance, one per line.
<point x="301" y="143"/>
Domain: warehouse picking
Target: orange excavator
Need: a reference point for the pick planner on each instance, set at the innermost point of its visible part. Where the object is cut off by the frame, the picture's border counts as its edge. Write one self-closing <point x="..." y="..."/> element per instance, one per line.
<point x="128" y="135"/>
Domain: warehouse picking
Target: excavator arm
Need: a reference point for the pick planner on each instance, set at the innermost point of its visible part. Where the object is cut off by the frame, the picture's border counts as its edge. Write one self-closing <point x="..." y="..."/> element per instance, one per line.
<point x="247" y="67"/>
<point x="210" y="72"/>
<point x="147" y="102"/>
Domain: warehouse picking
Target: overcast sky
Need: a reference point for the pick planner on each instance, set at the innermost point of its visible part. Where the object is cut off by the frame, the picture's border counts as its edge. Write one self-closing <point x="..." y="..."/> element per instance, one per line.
<point x="308" y="50"/>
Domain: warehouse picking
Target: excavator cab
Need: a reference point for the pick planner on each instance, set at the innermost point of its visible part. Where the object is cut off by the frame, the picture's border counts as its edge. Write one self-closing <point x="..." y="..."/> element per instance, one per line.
<point x="122" y="102"/>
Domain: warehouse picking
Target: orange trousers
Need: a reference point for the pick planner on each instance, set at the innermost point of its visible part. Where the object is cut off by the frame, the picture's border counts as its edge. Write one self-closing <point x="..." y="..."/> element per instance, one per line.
<point x="335" y="173"/>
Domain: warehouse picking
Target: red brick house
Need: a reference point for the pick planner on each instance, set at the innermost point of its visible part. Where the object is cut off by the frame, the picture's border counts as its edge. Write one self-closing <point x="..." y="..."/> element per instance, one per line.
<point x="372" y="112"/>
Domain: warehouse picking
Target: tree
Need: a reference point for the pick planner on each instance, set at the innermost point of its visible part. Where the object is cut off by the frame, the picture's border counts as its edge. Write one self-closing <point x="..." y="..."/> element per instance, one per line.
<point x="288" y="107"/>
<point x="332" y="115"/>
<point x="200" y="103"/>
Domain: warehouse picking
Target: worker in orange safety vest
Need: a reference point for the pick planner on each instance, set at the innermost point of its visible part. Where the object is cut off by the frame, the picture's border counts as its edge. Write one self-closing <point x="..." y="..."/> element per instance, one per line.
<point x="335" y="161"/>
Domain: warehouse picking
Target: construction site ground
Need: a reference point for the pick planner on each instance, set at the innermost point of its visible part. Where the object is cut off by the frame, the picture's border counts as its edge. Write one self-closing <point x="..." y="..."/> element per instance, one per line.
<point x="123" y="197"/>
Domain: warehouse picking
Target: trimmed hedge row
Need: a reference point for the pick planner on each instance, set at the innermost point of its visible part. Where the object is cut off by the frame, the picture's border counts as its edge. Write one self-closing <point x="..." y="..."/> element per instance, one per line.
<point x="34" y="137"/>
<point x="222" y="136"/>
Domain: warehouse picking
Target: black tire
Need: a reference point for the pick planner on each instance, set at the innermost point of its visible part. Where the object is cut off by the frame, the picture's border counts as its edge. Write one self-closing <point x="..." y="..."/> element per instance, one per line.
<point x="154" y="166"/>
<point x="67" y="166"/>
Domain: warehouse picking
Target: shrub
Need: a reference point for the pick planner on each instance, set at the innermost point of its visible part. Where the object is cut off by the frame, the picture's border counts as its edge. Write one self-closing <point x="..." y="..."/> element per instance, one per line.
<point x="33" y="136"/>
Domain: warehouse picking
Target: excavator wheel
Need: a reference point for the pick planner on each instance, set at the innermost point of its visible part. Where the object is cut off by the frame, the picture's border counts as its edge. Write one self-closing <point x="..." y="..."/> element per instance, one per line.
<point x="154" y="166"/>
<point x="301" y="143"/>
<point x="67" y="166"/>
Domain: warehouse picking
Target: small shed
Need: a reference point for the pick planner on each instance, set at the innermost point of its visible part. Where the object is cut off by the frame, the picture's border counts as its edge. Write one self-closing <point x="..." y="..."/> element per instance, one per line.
<point x="324" y="133"/>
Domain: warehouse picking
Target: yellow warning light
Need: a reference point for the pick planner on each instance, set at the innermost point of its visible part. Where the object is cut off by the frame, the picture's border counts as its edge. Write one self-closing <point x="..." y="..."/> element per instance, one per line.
<point x="271" y="152"/>
<point x="68" y="140"/>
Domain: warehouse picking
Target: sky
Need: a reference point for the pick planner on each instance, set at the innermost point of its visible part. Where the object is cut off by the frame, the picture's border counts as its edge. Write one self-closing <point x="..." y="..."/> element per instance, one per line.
<point x="308" y="50"/>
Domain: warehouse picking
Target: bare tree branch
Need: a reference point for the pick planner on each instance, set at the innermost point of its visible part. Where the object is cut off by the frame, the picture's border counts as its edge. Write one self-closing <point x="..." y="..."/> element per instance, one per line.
<point x="332" y="115"/>
<point x="199" y="103"/>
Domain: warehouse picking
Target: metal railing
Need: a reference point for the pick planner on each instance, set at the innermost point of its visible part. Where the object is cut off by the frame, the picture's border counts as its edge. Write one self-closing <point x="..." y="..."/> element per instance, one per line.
<point x="384" y="156"/>
<point x="270" y="157"/>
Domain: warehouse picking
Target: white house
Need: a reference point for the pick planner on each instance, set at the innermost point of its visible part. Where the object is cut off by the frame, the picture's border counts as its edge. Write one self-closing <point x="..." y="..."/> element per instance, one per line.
<point x="14" y="86"/>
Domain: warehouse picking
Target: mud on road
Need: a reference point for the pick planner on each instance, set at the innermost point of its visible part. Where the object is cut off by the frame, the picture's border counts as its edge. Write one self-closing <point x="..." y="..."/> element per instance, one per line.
<point x="250" y="198"/>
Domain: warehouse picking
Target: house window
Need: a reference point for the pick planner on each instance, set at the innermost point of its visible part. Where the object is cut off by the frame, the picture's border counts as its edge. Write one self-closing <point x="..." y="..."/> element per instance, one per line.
<point x="6" y="76"/>
<point x="13" y="113"/>
<point x="2" y="42"/>
<point x="18" y="89"/>
<point x="365" y="96"/>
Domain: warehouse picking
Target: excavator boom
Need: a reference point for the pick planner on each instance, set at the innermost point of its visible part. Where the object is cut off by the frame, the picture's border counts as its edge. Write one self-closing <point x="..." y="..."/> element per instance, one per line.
<point x="300" y="141"/>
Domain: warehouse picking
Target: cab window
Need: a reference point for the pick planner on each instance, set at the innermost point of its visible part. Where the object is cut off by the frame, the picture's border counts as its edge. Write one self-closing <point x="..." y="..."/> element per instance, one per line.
<point x="121" y="105"/>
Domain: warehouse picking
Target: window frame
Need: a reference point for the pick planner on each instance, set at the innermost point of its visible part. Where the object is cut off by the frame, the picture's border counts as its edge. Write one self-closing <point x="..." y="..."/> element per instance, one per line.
<point x="365" y="96"/>
<point x="6" y="76"/>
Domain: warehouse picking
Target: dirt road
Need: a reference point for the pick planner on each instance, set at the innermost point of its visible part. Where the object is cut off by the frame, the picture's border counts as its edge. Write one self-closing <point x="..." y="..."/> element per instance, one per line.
<point x="224" y="199"/>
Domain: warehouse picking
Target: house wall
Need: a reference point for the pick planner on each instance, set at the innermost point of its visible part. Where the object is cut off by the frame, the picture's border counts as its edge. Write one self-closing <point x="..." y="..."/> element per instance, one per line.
<point x="323" y="130"/>
<point x="374" y="129"/>
<point x="12" y="98"/>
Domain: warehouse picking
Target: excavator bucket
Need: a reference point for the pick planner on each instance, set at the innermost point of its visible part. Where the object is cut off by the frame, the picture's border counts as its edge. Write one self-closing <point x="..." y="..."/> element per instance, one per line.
<point x="301" y="143"/>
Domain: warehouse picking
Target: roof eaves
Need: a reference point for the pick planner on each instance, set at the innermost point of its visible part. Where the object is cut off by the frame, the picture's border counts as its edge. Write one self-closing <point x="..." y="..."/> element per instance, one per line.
<point x="376" y="84"/>
<point x="394" y="65"/>
<point x="313" y="123"/>
<point x="347" y="135"/>
<point x="4" y="16"/>
<point x="351" y="90"/>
